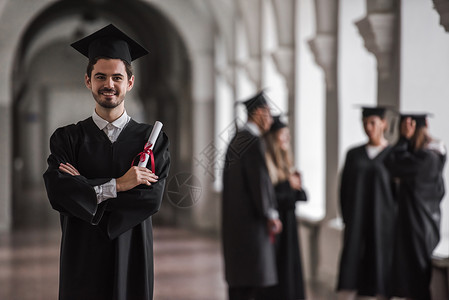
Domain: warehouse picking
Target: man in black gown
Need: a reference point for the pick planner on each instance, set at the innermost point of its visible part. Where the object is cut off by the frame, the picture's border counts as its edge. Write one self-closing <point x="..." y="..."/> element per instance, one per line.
<point x="105" y="203"/>
<point x="249" y="215"/>
<point x="369" y="211"/>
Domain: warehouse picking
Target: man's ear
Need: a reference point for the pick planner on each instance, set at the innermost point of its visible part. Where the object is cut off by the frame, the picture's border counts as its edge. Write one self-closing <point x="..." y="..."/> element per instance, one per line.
<point x="130" y="83"/>
<point x="87" y="82"/>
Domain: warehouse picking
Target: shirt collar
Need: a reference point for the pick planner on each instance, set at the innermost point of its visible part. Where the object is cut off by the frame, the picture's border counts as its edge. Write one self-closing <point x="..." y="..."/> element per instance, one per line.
<point x="253" y="128"/>
<point x="102" y="123"/>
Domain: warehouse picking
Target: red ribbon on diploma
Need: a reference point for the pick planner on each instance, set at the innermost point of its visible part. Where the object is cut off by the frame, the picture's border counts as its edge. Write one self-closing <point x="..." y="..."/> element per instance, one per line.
<point x="146" y="151"/>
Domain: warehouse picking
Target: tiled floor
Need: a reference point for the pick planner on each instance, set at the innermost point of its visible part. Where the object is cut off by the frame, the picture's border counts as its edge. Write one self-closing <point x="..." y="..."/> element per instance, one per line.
<point x="187" y="266"/>
<point x="29" y="265"/>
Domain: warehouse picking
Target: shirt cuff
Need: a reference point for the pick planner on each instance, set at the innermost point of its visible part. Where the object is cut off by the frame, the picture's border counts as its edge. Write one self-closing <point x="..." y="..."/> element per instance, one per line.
<point x="106" y="191"/>
<point x="273" y="214"/>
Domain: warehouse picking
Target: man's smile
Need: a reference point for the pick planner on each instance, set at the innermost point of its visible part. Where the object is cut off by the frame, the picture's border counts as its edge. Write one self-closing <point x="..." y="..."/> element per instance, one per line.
<point x="107" y="92"/>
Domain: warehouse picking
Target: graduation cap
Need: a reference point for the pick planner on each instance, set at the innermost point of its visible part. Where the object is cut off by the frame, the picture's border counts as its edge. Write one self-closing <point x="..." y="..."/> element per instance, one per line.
<point x="373" y="111"/>
<point x="420" y="119"/>
<point x="277" y="123"/>
<point x="255" y="102"/>
<point x="110" y="42"/>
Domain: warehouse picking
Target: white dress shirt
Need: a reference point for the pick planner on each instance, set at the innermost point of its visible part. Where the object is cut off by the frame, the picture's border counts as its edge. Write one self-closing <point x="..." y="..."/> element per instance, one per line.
<point x="373" y="151"/>
<point x="253" y="128"/>
<point x="109" y="189"/>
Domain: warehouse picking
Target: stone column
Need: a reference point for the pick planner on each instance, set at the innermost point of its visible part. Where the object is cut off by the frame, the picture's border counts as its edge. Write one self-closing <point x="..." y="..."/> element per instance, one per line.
<point x="380" y="32"/>
<point x="324" y="47"/>
<point x="251" y="12"/>
<point x="236" y="68"/>
<point x="442" y="7"/>
<point x="229" y="24"/>
<point x="285" y="55"/>
<point x="206" y="209"/>
<point x="14" y="18"/>
<point x="5" y="168"/>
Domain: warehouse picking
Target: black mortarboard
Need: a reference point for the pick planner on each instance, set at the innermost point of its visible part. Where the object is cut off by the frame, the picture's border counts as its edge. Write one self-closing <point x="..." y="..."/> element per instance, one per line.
<point x="259" y="100"/>
<point x="420" y="119"/>
<point x="110" y="42"/>
<point x="373" y="111"/>
<point x="277" y="124"/>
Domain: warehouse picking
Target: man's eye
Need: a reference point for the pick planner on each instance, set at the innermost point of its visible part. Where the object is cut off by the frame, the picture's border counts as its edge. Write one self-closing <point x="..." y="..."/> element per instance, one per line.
<point x="100" y="77"/>
<point x="117" y="78"/>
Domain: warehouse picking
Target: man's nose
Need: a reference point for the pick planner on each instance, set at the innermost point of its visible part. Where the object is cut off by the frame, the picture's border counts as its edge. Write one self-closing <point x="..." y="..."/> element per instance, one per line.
<point x="109" y="83"/>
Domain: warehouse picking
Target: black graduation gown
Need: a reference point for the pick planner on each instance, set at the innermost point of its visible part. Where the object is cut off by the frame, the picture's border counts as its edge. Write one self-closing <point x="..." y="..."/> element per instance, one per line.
<point x="248" y="194"/>
<point x="288" y="255"/>
<point x="369" y="213"/>
<point x="106" y="249"/>
<point x="421" y="189"/>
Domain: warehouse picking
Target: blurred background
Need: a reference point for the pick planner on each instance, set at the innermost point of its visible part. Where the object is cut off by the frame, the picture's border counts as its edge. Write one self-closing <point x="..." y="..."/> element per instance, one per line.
<point x="318" y="61"/>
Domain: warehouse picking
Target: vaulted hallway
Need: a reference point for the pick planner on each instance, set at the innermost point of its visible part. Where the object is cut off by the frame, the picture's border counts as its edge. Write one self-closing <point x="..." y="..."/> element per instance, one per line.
<point x="318" y="61"/>
<point x="187" y="266"/>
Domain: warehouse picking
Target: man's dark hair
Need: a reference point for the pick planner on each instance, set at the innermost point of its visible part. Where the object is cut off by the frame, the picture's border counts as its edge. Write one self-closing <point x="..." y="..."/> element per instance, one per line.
<point x="92" y="62"/>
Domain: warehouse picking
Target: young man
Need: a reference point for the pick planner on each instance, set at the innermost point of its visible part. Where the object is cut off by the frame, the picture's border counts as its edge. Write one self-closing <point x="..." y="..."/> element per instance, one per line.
<point x="249" y="216"/>
<point x="105" y="203"/>
<point x="369" y="211"/>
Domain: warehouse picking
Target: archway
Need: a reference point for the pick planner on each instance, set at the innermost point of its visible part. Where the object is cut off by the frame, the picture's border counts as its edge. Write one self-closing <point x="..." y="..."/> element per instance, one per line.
<point x="48" y="90"/>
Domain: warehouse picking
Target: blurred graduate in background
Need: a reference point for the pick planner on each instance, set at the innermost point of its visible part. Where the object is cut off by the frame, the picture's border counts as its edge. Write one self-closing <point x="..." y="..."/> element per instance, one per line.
<point x="417" y="161"/>
<point x="249" y="214"/>
<point x="369" y="212"/>
<point x="288" y="190"/>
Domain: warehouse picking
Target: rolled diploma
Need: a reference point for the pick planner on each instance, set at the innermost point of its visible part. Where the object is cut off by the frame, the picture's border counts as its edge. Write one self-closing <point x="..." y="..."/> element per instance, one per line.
<point x="151" y="141"/>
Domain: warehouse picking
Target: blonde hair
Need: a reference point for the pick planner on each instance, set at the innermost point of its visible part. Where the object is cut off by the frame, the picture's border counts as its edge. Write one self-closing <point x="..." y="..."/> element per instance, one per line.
<point x="279" y="161"/>
<point x="421" y="138"/>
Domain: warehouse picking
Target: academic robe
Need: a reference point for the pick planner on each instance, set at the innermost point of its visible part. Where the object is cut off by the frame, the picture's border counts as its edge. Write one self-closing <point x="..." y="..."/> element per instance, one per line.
<point x="288" y="255"/>
<point x="249" y="255"/>
<point x="369" y="212"/>
<point x="421" y="189"/>
<point x="106" y="249"/>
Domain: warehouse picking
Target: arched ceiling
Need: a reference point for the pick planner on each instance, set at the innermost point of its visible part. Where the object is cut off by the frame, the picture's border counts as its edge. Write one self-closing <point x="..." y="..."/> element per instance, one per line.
<point x="69" y="20"/>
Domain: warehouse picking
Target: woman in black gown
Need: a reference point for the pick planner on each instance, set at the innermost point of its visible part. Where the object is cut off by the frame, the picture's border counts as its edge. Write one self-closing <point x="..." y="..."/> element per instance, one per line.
<point x="417" y="162"/>
<point x="287" y="184"/>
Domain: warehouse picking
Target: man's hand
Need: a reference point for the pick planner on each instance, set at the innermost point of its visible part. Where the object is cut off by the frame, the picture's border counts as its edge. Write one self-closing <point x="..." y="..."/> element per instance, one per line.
<point x="274" y="226"/>
<point x="69" y="169"/>
<point x="135" y="176"/>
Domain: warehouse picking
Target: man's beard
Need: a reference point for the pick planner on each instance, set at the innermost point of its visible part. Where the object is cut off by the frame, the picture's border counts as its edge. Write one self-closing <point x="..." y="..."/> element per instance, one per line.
<point x="106" y="103"/>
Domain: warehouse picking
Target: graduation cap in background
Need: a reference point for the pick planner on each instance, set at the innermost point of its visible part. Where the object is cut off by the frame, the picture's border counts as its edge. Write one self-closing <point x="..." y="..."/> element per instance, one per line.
<point x="373" y="111"/>
<point x="277" y="123"/>
<point x="255" y="102"/>
<point x="110" y="42"/>
<point x="381" y="112"/>
<point x="420" y="119"/>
